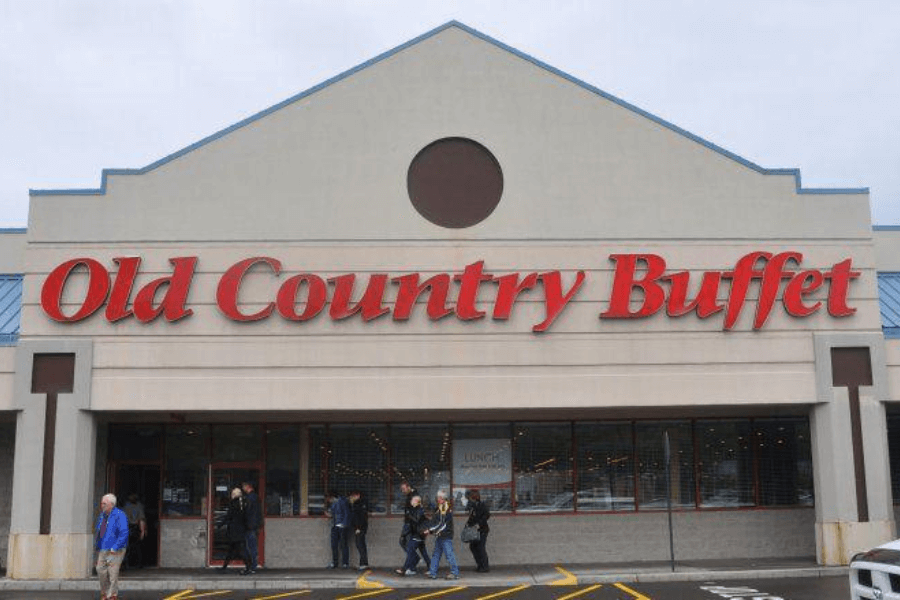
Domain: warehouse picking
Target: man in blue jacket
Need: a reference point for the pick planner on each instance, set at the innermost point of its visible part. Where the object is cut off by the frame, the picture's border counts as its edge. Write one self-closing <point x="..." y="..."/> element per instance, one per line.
<point x="111" y="542"/>
<point x="339" y="510"/>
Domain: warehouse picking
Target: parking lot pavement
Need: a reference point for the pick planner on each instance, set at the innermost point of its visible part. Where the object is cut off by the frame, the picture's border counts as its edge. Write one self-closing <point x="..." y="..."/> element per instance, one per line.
<point x="821" y="588"/>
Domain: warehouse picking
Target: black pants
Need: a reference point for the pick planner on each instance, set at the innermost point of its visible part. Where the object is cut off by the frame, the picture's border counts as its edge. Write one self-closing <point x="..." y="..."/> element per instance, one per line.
<point x="237" y="550"/>
<point x="362" y="549"/>
<point x="135" y="555"/>
<point x="479" y="552"/>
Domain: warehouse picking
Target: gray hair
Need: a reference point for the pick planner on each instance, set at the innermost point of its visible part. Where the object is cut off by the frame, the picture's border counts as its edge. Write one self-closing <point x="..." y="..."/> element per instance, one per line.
<point x="442" y="494"/>
<point x="110" y="497"/>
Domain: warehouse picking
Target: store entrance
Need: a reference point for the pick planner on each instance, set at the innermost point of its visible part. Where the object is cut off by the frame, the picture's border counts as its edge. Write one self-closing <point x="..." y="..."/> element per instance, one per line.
<point x="224" y="477"/>
<point x="140" y="480"/>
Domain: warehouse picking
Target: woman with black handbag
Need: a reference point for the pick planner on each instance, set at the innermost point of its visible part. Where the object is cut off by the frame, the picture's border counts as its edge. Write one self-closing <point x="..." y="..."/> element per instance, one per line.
<point x="478" y="518"/>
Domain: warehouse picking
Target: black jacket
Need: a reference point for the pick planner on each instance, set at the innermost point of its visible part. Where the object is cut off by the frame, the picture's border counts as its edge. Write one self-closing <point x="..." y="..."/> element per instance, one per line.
<point x="441" y="525"/>
<point x="252" y="513"/>
<point x="235" y="530"/>
<point x="359" y="515"/>
<point x="414" y="521"/>
<point x="478" y="515"/>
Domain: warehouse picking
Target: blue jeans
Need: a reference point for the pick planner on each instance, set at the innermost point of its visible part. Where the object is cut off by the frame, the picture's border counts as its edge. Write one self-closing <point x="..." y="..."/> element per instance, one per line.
<point x="339" y="541"/>
<point x="252" y="550"/>
<point x="414" y="547"/>
<point x="443" y="546"/>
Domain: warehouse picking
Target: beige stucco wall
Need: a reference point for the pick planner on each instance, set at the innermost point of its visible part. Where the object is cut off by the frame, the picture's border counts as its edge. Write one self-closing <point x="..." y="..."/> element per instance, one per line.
<point x="887" y="249"/>
<point x="320" y="185"/>
<point x="12" y="251"/>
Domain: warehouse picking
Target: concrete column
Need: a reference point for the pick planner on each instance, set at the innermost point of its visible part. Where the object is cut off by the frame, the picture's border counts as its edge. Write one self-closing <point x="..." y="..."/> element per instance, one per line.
<point x="842" y="528"/>
<point x="67" y="551"/>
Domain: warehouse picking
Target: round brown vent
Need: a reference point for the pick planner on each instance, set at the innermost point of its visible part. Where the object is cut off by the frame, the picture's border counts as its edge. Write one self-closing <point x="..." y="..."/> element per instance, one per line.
<point x="454" y="182"/>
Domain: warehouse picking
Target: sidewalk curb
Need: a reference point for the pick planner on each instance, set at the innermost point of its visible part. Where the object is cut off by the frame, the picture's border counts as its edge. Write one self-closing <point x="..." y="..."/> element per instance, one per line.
<point x="299" y="583"/>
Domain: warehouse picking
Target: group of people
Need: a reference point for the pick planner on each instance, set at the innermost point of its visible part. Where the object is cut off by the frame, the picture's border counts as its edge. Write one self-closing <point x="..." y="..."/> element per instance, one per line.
<point x="350" y="516"/>
<point x="418" y="524"/>
<point x="242" y="521"/>
<point x="116" y="527"/>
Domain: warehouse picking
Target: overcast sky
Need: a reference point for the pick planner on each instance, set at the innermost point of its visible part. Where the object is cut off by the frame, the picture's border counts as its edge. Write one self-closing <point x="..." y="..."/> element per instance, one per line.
<point x="88" y="85"/>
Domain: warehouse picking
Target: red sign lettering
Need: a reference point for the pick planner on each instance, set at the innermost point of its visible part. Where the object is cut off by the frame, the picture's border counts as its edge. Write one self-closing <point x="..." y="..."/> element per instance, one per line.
<point x="641" y="287"/>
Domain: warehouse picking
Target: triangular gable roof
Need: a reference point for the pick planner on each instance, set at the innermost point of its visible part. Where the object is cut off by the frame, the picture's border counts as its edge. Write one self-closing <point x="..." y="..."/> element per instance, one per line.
<point x="779" y="171"/>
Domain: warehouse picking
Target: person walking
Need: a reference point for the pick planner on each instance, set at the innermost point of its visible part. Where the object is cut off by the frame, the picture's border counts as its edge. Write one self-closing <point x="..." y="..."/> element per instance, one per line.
<point x="111" y="542"/>
<point x="442" y="530"/>
<point x="415" y="524"/>
<point x="339" y="510"/>
<point x="137" y="531"/>
<point x="252" y="523"/>
<point x="359" y="523"/>
<point x="235" y="530"/>
<point x="478" y="517"/>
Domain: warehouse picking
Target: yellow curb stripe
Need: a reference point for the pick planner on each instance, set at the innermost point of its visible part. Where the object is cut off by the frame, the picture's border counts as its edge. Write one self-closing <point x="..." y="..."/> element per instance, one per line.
<point x="179" y="595"/>
<point x="205" y="594"/>
<point x="362" y="583"/>
<point x="440" y="593"/>
<point x="590" y="588"/>
<point x="568" y="578"/>
<point x="634" y="594"/>
<point x="297" y="593"/>
<point x="518" y="588"/>
<point x="366" y="594"/>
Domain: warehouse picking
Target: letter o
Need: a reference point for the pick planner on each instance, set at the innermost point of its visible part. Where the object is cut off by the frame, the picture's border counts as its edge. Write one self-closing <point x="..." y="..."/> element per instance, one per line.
<point x="287" y="297"/>
<point x="52" y="291"/>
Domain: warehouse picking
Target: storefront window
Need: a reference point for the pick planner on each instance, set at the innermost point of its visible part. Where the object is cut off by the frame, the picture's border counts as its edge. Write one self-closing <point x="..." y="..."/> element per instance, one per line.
<point x="605" y="466"/>
<point x="543" y="465"/>
<point x="319" y="453"/>
<point x="359" y="462"/>
<point x="421" y="455"/>
<point x="135" y="442"/>
<point x="726" y="463"/>
<point x="785" y="462"/>
<point x="652" y="464"/>
<point x="482" y="460"/>
<point x="237" y="442"/>
<point x="893" y="434"/>
<point x="283" y="471"/>
<point x="185" y="480"/>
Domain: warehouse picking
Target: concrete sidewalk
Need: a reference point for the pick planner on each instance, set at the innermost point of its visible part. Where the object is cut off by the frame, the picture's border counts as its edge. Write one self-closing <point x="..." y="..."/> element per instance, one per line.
<point x="501" y="576"/>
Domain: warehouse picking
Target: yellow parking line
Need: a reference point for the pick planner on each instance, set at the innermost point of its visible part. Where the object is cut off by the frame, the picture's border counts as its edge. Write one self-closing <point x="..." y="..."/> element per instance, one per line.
<point x="568" y="578"/>
<point x="440" y="593"/>
<point x="179" y="595"/>
<point x="634" y="594"/>
<point x="590" y="588"/>
<point x="205" y="594"/>
<point x="365" y="594"/>
<point x="297" y="593"/>
<point x="518" y="588"/>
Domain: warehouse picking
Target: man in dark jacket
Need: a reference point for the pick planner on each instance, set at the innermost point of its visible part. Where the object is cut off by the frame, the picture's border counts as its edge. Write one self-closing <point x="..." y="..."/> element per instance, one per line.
<point x="235" y="530"/>
<point x="253" y="521"/>
<point x="478" y="517"/>
<point x="415" y="524"/>
<point x="359" y="523"/>
<point x="339" y="511"/>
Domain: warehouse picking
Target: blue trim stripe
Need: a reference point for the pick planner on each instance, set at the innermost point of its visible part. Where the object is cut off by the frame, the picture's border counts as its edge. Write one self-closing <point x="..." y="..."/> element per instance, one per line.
<point x="889" y="303"/>
<point x="107" y="172"/>
<point x="885" y="227"/>
<point x="13" y="230"/>
<point x="10" y="308"/>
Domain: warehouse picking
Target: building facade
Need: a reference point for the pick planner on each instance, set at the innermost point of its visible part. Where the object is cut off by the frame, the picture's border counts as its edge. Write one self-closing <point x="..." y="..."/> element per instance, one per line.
<point x="458" y="266"/>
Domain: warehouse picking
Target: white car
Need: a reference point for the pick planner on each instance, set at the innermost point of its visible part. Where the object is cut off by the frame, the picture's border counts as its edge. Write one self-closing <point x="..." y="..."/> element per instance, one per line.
<point x="875" y="574"/>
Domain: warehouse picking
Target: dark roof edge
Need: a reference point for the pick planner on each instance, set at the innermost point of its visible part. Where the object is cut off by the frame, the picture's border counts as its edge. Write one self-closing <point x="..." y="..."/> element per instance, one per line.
<point x="782" y="171"/>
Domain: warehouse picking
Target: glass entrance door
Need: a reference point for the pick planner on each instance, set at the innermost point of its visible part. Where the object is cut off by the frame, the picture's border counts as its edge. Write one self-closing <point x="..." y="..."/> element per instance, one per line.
<point x="224" y="477"/>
